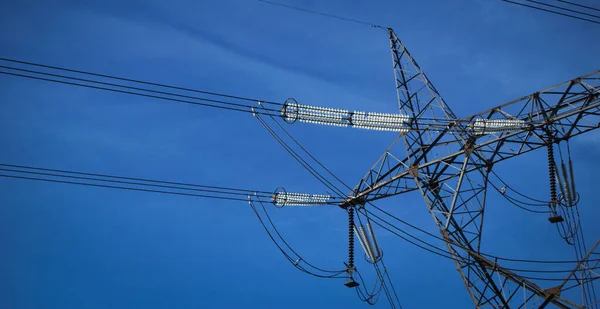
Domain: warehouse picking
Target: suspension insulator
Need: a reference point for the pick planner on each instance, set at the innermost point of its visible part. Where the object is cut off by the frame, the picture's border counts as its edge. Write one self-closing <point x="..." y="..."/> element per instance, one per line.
<point x="552" y="172"/>
<point x="555" y="218"/>
<point x="350" y="282"/>
<point x="351" y="238"/>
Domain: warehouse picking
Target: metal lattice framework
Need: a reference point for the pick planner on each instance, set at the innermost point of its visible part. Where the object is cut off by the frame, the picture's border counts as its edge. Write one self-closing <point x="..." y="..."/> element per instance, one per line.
<point x="448" y="160"/>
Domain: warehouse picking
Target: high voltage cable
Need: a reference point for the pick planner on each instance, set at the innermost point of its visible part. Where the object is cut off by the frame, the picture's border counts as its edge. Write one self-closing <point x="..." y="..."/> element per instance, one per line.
<point x="551" y="11"/>
<point x="179" y="98"/>
<point x="119" y="182"/>
<point x="514" y="202"/>
<point x="356" y="21"/>
<point x="308" y="153"/>
<point x="404" y="222"/>
<point x="508" y="1"/>
<point x="333" y="187"/>
<point x="296" y="156"/>
<point x="248" y="110"/>
<point x="332" y="273"/>
<point x="131" y="178"/>
<point x="431" y="123"/>
<point x="561" y="8"/>
<point x="579" y="5"/>
<point x="300" y="160"/>
<point x="244" y="192"/>
<point x="541" y="202"/>
<point x="441" y="254"/>
<point x="235" y="106"/>
<point x="385" y="288"/>
<point x="246" y="200"/>
<point x="445" y="254"/>
<point x="441" y="239"/>
<point x="137" y="81"/>
<point x="120" y="187"/>
<point x="279" y="235"/>
<point x="271" y="115"/>
<point x="169" y="98"/>
<point x="228" y="105"/>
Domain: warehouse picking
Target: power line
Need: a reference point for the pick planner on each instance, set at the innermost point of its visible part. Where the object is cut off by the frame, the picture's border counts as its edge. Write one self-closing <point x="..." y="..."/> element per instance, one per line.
<point x="356" y="21"/>
<point x="123" y="182"/>
<point x="383" y="281"/>
<point x="404" y="222"/>
<point x="243" y="192"/>
<point x="238" y="108"/>
<point x="137" y="81"/>
<point x="333" y="187"/>
<point x="127" y="183"/>
<point x="441" y="239"/>
<point x="131" y="183"/>
<point x="246" y="199"/>
<point x="551" y="11"/>
<point x="580" y="5"/>
<point x="121" y="187"/>
<point x="247" y="191"/>
<point x="161" y="94"/>
<point x="300" y="259"/>
<point x="447" y="256"/>
<point x="561" y="8"/>
<point x="300" y="160"/>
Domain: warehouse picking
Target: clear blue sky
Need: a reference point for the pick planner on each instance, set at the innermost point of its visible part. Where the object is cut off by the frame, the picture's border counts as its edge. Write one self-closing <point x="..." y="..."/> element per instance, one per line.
<point x="77" y="247"/>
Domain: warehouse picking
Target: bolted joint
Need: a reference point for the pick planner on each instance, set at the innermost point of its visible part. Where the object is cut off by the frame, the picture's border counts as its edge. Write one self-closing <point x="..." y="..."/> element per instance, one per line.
<point x="469" y="147"/>
<point x="488" y="166"/>
<point x="413" y="170"/>
<point x="353" y="202"/>
<point x="434" y="185"/>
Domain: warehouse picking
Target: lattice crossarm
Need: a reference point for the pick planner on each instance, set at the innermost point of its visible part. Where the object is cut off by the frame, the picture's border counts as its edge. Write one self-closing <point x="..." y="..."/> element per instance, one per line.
<point x="577" y="111"/>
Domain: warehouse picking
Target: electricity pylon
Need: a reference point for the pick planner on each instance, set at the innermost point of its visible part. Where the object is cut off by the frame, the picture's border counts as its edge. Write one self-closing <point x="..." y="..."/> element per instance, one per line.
<point x="448" y="160"/>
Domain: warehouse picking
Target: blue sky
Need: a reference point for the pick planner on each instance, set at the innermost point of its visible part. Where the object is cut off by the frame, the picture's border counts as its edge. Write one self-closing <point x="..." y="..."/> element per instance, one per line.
<point x="73" y="247"/>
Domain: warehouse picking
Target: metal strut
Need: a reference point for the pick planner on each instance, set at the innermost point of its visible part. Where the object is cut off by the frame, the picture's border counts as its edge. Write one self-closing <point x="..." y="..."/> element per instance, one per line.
<point x="350" y="282"/>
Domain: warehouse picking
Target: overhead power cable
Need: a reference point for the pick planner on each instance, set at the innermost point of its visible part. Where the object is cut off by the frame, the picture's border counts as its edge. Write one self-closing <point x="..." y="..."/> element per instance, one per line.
<point x="372" y="120"/>
<point x="579" y="5"/>
<point x="245" y="191"/>
<point x="437" y="250"/>
<point x="297" y="260"/>
<point x="120" y="187"/>
<point x="372" y="297"/>
<point x="133" y="91"/>
<point x="491" y="256"/>
<point x="136" y="81"/>
<point x="176" y="94"/>
<point x="441" y="252"/>
<point x="239" y="191"/>
<point x="563" y="9"/>
<point x="551" y="11"/>
<point x="390" y="291"/>
<point x="298" y="158"/>
<point x="126" y="183"/>
<point x="351" y="20"/>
